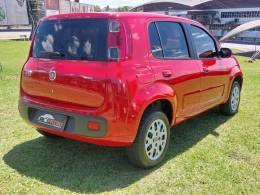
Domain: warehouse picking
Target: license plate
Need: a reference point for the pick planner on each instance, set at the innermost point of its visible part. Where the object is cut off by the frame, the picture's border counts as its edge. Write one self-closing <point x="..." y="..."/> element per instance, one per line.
<point x="51" y="120"/>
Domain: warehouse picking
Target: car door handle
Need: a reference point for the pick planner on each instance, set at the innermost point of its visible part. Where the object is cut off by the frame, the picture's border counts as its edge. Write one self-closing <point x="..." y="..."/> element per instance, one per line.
<point x="205" y="70"/>
<point x="167" y="73"/>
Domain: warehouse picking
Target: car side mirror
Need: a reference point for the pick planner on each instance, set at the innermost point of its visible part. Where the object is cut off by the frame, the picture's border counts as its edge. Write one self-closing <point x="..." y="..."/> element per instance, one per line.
<point x="225" y="53"/>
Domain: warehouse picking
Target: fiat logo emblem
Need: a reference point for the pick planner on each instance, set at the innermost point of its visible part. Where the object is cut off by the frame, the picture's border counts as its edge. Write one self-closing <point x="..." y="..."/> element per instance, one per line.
<point x="52" y="75"/>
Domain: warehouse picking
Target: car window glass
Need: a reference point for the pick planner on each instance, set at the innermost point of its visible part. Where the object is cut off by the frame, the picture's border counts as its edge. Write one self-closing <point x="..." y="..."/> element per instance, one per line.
<point x="74" y="39"/>
<point x="155" y="41"/>
<point x="205" y="45"/>
<point x="173" y="40"/>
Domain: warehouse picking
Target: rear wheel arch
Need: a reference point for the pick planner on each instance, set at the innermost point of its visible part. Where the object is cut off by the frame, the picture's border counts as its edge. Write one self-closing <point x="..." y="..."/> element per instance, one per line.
<point x="157" y="95"/>
<point x="163" y="105"/>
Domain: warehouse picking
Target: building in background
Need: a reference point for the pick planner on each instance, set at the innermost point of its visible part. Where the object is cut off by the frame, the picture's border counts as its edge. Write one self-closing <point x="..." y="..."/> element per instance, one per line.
<point x="219" y="16"/>
<point x="66" y="6"/>
<point x="13" y="12"/>
<point x="74" y="7"/>
<point x="25" y="12"/>
<point x="52" y="7"/>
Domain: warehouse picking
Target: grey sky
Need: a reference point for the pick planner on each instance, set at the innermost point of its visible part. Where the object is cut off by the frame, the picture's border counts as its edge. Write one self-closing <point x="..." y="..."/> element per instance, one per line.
<point x="116" y="3"/>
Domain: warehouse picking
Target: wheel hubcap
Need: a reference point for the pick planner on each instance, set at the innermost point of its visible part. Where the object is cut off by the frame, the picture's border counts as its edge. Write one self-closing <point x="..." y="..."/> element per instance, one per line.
<point x="156" y="138"/>
<point x="235" y="96"/>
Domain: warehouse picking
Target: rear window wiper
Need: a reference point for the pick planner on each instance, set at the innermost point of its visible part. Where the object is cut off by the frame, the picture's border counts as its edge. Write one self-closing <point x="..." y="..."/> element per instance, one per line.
<point x="85" y="58"/>
<point x="53" y="53"/>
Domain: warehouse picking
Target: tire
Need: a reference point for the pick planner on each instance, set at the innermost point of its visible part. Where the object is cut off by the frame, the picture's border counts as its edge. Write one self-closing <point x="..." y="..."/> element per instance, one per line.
<point x="141" y="152"/>
<point x="231" y="106"/>
<point x="48" y="135"/>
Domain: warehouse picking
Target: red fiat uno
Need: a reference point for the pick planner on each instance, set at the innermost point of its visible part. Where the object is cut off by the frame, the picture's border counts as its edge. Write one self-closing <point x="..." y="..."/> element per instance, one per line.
<point x="124" y="79"/>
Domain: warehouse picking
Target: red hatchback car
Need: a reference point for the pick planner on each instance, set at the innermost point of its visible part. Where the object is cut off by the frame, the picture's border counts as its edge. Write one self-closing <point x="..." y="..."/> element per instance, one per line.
<point x="124" y="79"/>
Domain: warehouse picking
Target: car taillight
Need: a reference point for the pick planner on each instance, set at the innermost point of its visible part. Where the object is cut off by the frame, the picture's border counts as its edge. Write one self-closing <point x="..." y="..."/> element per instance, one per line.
<point x="117" y="43"/>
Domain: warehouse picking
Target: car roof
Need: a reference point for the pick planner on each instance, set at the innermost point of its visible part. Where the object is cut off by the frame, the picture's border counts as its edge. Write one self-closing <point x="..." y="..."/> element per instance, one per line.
<point x="116" y="15"/>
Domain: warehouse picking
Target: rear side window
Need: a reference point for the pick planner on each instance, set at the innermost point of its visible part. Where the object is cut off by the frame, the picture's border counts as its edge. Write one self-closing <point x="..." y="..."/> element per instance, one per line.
<point x="76" y="39"/>
<point x="172" y="40"/>
<point x="155" y="42"/>
<point x="205" y="45"/>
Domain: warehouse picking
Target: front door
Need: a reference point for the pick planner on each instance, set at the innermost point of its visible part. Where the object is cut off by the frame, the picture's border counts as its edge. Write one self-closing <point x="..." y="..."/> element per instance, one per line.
<point x="213" y="72"/>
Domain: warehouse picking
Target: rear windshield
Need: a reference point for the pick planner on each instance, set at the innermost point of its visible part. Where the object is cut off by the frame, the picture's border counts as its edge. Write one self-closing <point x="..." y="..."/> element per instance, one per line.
<point x="76" y="39"/>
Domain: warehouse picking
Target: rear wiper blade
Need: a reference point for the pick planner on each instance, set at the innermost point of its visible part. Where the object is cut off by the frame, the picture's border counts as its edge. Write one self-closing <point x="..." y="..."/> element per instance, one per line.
<point x="53" y="53"/>
<point x="85" y="58"/>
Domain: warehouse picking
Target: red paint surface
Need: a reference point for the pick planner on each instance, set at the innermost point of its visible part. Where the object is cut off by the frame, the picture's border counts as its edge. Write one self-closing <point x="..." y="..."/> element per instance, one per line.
<point x="120" y="91"/>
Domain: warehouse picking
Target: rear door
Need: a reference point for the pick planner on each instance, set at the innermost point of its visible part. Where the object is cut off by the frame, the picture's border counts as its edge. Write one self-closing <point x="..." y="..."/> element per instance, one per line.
<point x="69" y="62"/>
<point x="214" y="73"/>
<point x="172" y="63"/>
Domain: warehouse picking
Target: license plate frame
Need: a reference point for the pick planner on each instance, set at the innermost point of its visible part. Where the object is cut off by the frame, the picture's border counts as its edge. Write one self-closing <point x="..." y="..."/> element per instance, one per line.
<point x="50" y="120"/>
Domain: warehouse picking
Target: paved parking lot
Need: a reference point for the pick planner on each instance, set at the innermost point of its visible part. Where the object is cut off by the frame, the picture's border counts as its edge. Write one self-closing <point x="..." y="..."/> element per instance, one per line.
<point x="14" y="33"/>
<point x="241" y="47"/>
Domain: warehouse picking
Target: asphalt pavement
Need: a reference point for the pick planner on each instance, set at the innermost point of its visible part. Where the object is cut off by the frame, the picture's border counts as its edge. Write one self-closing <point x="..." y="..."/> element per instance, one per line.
<point x="15" y="33"/>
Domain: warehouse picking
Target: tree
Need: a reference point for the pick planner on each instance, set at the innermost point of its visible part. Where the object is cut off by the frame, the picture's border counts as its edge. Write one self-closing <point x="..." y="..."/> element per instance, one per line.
<point x="107" y="8"/>
<point x="36" y="10"/>
<point x="123" y="9"/>
<point x="2" y="14"/>
<point x="97" y="8"/>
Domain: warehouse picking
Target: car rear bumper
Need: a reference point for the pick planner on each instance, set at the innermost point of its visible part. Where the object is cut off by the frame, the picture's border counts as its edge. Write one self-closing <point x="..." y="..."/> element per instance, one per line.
<point x="76" y="126"/>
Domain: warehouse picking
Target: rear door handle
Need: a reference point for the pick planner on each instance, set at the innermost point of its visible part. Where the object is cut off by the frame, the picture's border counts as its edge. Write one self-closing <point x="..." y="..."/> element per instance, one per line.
<point x="205" y="70"/>
<point x="167" y="73"/>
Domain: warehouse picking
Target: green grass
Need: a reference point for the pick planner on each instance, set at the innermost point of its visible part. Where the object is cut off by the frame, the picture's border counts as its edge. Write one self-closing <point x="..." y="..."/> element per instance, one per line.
<point x="209" y="154"/>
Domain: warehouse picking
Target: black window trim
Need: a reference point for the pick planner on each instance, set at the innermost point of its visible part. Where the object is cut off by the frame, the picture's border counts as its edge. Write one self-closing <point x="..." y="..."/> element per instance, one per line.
<point x="194" y="46"/>
<point x="186" y="36"/>
<point x="193" y="52"/>
<point x="160" y="40"/>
